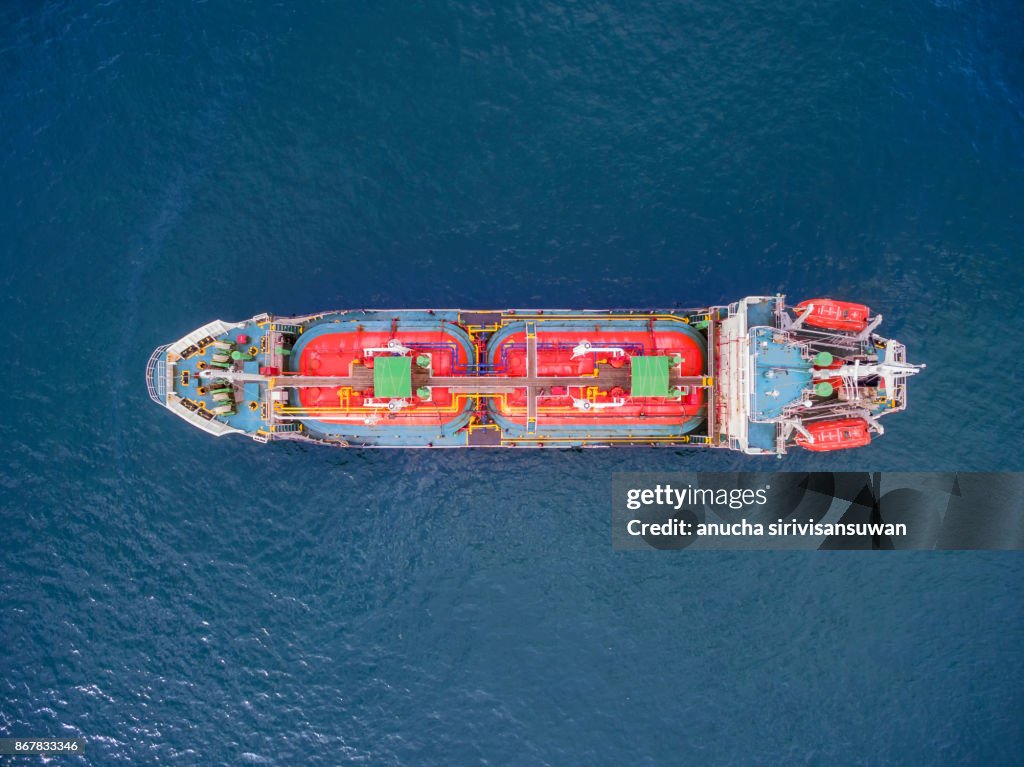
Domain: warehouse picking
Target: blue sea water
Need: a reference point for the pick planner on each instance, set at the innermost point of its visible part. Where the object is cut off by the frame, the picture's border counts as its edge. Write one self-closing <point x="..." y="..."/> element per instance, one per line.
<point x="177" y="599"/>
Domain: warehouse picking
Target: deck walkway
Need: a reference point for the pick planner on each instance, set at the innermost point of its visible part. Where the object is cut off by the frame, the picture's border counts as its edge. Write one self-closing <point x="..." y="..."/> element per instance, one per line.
<point x="608" y="378"/>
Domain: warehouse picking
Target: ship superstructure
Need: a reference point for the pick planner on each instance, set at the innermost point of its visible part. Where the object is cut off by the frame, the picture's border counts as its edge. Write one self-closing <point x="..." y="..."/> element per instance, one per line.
<point x="754" y="376"/>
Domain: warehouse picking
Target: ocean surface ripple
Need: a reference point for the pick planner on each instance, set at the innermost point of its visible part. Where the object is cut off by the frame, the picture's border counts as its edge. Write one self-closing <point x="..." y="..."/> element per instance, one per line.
<point x="177" y="599"/>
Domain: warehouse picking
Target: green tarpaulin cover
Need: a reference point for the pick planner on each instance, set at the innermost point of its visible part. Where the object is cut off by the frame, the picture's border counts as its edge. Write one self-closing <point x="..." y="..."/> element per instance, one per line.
<point x="392" y="377"/>
<point x="649" y="376"/>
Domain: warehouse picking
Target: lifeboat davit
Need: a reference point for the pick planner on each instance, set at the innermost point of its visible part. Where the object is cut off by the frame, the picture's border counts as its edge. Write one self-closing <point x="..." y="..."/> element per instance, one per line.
<point x="833" y="315"/>
<point x="835" y="435"/>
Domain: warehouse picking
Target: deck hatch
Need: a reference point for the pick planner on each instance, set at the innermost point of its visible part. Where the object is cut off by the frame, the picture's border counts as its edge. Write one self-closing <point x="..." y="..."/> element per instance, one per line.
<point x="649" y="376"/>
<point x="392" y="377"/>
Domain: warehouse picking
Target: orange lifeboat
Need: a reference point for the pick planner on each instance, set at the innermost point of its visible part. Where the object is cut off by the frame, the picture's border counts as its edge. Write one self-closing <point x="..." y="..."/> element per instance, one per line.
<point x="835" y="435"/>
<point x="833" y="315"/>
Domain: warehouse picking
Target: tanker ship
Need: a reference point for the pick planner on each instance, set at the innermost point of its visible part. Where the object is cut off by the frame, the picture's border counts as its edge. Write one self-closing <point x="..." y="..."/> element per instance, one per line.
<point x="756" y="376"/>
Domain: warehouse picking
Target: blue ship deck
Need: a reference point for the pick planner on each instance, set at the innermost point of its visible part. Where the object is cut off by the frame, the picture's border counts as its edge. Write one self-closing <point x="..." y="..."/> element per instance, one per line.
<point x="781" y="374"/>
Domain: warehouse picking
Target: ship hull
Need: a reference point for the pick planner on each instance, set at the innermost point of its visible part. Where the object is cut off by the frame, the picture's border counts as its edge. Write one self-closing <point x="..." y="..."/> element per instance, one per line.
<point x="513" y="378"/>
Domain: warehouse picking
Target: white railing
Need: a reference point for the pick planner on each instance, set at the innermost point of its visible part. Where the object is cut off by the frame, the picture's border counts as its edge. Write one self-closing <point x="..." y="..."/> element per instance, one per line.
<point x="157" y="384"/>
<point x="215" y="328"/>
<point x="212" y="426"/>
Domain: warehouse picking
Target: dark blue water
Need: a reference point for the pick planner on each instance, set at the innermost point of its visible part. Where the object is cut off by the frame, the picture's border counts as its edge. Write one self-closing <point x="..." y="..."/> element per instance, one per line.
<point x="178" y="599"/>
